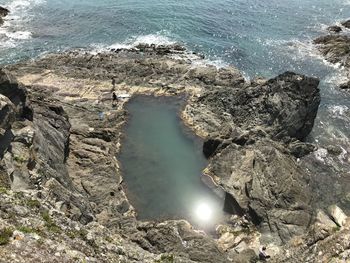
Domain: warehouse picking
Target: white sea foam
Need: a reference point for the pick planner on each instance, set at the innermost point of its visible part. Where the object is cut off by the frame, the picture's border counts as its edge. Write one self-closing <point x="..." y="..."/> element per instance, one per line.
<point x="158" y="40"/>
<point x="338" y="110"/>
<point x="13" y="30"/>
<point x="300" y="49"/>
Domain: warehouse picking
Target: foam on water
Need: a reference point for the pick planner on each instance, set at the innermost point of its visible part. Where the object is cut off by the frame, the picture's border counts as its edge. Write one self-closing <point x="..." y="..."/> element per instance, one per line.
<point x="132" y="42"/>
<point x="13" y="30"/>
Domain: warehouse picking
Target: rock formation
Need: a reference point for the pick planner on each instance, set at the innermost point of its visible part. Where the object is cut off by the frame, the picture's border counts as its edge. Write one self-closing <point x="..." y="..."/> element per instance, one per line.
<point x="59" y="165"/>
<point x="335" y="48"/>
<point x="3" y="12"/>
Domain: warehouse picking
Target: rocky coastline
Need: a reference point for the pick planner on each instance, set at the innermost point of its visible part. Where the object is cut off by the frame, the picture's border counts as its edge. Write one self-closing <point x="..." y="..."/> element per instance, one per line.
<point x="62" y="197"/>
<point x="335" y="48"/>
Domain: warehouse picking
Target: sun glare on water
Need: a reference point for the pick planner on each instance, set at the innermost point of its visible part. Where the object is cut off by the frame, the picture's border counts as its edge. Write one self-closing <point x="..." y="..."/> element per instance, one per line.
<point x="204" y="212"/>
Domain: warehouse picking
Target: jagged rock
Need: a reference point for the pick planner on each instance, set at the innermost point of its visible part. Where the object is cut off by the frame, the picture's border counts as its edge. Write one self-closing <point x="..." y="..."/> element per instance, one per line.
<point x="346" y="24"/>
<point x="334" y="29"/>
<point x="335" y="48"/>
<point x="334" y="150"/>
<point x="301" y="149"/>
<point x="345" y="86"/>
<point x="266" y="184"/>
<point x="284" y="106"/>
<point x="3" y="12"/>
<point x="16" y="93"/>
<point x="338" y="215"/>
<point x="7" y="113"/>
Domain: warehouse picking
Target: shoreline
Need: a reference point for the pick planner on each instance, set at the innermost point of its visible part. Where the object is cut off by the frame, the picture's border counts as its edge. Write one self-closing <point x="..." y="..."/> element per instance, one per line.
<point x="249" y="138"/>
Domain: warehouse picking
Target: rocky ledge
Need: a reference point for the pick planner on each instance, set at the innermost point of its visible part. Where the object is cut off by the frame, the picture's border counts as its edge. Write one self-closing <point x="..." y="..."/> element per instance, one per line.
<point x="62" y="196"/>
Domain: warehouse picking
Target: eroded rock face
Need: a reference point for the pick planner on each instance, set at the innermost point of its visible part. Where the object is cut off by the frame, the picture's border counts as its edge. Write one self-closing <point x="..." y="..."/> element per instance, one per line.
<point x="268" y="185"/>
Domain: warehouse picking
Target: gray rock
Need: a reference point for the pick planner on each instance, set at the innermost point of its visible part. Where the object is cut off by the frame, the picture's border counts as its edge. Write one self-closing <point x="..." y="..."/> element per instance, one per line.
<point x="345" y="86"/>
<point x="337" y="215"/>
<point x="335" y="48"/>
<point x="346" y="24"/>
<point x="7" y="113"/>
<point x="334" y="29"/>
<point x="268" y="185"/>
<point x="285" y="106"/>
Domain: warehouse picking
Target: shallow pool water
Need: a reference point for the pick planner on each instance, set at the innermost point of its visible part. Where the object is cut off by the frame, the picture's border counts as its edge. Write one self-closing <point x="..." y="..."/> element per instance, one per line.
<point x="162" y="164"/>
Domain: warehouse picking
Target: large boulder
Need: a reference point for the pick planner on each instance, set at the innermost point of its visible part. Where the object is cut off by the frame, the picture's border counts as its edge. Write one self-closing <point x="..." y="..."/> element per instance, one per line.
<point x="267" y="184"/>
<point x="284" y="106"/>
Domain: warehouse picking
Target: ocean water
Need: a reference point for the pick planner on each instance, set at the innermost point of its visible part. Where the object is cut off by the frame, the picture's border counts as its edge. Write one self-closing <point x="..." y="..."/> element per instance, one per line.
<point x="261" y="38"/>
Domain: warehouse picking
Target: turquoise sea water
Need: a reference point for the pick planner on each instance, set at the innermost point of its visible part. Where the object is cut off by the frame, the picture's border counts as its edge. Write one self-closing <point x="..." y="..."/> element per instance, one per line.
<point x="259" y="37"/>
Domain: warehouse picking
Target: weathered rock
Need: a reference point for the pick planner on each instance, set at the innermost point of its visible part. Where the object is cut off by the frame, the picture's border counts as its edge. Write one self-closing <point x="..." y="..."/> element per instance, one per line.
<point x="337" y="215"/>
<point x="334" y="29"/>
<point x="253" y="130"/>
<point x="16" y="93"/>
<point x="266" y="184"/>
<point x="335" y="48"/>
<point x="334" y="150"/>
<point x="346" y="24"/>
<point x="7" y="113"/>
<point x="284" y="106"/>
<point x="3" y="12"/>
<point x="345" y="86"/>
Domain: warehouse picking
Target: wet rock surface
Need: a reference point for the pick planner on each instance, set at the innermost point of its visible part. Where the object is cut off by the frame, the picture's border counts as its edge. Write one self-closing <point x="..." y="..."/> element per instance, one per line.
<point x="63" y="137"/>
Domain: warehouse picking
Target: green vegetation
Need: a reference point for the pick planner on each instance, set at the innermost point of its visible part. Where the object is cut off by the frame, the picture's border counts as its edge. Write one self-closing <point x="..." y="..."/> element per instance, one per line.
<point x="19" y="159"/>
<point x="50" y="224"/>
<point x="3" y="190"/>
<point x="5" y="235"/>
<point x="33" y="203"/>
<point x="336" y="229"/>
<point x="19" y="195"/>
<point x="77" y="234"/>
<point x="27" y="230"/>
<point x="166" y="259"/>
